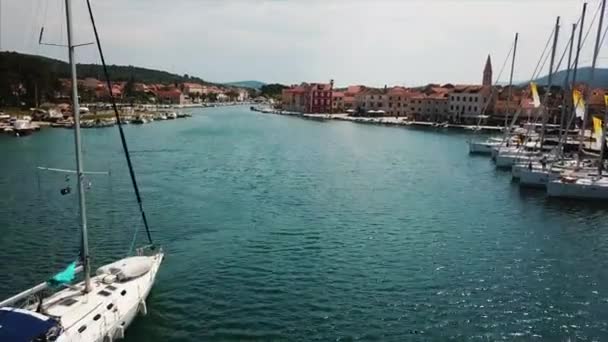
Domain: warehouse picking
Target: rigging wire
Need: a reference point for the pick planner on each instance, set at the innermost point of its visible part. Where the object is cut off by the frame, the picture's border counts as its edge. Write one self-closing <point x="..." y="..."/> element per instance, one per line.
<point x="502" y="69"/>
<point x="542" y="56"/>
<point x="62" y="9"/>
<point x="120" y="129"/>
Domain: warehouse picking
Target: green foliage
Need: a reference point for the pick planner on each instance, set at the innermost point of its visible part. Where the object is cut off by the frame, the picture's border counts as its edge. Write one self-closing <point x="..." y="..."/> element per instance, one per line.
<point x="232" y="94"/>
<point x="272" y="90"/>
<point x="22" y="76"/>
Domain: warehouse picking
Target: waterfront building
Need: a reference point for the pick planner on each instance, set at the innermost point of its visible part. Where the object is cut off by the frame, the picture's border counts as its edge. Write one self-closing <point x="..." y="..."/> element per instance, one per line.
<point x="436" y="107"/>
<point x="350" y="95"/>
<point x="397" y="101"/>
<point x="416" y="105"/>
<point x="338" y="102"/>
<point x="192" y="89"/>
<point x="467" y="102"/>
<point x="243" y="95"/>
<point x="371" y="102"/>
<point x="294" y="99"/>
<point x="170" y="96"/>
<point x="308" y="98"/>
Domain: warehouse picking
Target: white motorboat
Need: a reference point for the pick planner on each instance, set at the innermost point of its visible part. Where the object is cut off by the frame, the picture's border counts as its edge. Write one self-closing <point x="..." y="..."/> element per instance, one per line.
<point x="100" y="307"/>
<point x="172" y="115"/>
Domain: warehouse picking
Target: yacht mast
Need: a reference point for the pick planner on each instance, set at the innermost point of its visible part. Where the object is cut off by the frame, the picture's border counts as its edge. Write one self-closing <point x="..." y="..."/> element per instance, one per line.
<point x="77" y="141"/>
<point x="563" y="128"/>
<point x="511" y="82"/>
<point x="588" y="88"/>
<point x="550" y="84"/>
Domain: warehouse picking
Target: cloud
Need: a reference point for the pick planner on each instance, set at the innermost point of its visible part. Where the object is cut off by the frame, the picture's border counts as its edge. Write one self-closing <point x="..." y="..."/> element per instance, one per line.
<point x="374" y="42"/>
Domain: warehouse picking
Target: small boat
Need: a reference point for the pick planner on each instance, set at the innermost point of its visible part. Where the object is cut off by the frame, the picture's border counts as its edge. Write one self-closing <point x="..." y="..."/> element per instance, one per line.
<point x="23" y="127"/>
<point x="171" y="115"/>
<point x="139" y="120"/>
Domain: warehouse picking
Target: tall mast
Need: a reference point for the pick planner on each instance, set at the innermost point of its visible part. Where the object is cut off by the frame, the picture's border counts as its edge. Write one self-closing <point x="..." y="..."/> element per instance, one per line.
<point x="588" y="88"/>
<point x="550" y="84"/>
<point x="563" y="125"/>
<point x="578" y="46"/>
<point x="511" y="81"/>
<point x="77" y="141"/>
<point x="600" y="166"/>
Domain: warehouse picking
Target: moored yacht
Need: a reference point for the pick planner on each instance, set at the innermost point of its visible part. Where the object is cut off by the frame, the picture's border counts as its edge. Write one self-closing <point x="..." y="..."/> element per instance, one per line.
<point x="100" y="307"/>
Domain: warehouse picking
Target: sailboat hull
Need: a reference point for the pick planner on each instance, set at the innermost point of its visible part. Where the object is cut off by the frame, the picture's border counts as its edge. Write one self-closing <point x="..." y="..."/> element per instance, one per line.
<point x="481" y="147"/>
<point x="584" y="188"/>
<point x="107" y="310"/>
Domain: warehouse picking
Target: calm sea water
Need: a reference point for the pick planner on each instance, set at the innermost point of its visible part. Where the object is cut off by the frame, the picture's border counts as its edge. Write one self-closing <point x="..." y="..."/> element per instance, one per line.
<point x="279" y="229"/>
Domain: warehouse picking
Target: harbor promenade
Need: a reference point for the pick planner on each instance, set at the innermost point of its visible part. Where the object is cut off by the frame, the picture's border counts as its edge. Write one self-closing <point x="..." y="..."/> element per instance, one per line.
<point x="388" y="121"/>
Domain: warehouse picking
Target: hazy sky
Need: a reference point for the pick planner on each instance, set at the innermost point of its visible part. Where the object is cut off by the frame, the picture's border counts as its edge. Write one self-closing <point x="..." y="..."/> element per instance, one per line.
<point x="409" y="42"/>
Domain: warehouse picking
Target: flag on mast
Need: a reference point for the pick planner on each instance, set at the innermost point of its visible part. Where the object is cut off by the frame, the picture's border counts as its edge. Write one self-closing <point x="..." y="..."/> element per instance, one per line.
<point x="579" y="103"/>
<point x="535" y="97"/>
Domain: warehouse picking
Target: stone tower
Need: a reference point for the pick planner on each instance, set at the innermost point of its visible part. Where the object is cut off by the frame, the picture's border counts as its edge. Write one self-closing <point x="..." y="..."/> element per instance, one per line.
<point x="487" y="73"/>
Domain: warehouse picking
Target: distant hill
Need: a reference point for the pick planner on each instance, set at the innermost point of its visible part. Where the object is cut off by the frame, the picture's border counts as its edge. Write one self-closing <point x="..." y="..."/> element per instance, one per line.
<point x="600" y="79"/>
<point x="17" y="61"/>
<point x="246" y="84"/>
<point x="22" y="76"/>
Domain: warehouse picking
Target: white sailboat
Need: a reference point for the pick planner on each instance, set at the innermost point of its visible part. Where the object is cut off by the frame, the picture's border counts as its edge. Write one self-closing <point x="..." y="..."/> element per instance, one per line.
<point x="99" y="308"/>
<point x="586" y="186"/>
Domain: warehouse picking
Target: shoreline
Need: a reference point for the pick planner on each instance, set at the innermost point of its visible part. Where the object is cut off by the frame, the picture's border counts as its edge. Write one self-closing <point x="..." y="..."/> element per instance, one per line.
<point x="384" y="121"/>
<point x="104" y="118"/>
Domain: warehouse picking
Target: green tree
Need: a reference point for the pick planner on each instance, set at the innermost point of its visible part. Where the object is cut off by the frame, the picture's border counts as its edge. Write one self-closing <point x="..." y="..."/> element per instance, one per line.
<point x="232" y="94"/>
<point x="272" y="90"/>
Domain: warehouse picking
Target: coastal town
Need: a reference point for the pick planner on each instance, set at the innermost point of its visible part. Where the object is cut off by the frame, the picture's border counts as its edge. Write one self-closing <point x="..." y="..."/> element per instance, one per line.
<point x="139" y="103"/>
<point x="483" y="104"/>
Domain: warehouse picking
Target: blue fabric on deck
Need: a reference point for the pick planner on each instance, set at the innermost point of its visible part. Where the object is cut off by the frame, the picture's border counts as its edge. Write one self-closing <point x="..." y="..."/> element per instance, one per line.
<point x="18" y="326"/>
<point x="66" y="276"/>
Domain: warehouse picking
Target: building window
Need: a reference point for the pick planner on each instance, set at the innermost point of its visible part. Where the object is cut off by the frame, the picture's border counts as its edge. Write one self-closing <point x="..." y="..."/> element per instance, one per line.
<point x="379" y="104"/>
<point x="451" y="107"/>
<point x="372" y="97"/>
<point x="458" y="98"/>
<point x="469" y="108"/>
<point x="390" y="105"/>
<point x="475" y="108"/>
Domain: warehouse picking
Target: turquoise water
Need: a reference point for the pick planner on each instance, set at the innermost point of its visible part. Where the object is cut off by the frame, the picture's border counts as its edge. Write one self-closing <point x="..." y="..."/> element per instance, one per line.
<point x="278" y="228"/>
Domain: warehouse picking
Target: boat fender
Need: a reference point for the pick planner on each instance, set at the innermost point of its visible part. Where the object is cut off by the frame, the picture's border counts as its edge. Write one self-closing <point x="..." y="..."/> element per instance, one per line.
<point x="120" y="332"/>
<point x="143" y="309"/>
